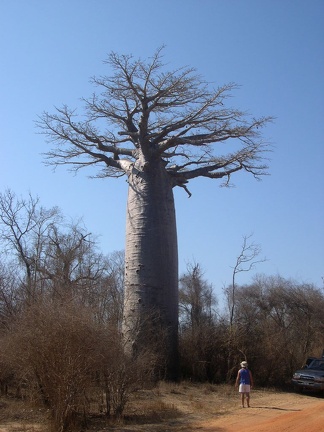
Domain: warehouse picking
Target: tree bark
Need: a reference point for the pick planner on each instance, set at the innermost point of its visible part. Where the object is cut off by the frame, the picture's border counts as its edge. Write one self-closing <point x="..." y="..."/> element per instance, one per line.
<point x="151" y="262"/>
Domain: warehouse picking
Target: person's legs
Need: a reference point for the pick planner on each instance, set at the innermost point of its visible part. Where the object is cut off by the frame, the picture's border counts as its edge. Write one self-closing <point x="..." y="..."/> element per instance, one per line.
<point x="244" y="390"/>
<point x="242" y="399"/>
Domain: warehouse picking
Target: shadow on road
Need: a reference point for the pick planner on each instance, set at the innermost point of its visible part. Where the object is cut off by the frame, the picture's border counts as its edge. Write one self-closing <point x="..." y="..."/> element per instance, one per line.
<point x="275" y="408"/>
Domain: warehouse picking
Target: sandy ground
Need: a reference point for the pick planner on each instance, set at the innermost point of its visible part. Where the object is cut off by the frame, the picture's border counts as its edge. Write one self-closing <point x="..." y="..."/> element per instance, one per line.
<point x="276" y="412"/>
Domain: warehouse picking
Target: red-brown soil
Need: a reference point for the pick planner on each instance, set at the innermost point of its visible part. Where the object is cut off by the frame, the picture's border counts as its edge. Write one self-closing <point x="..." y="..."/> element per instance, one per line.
<point x="274" y="412"/>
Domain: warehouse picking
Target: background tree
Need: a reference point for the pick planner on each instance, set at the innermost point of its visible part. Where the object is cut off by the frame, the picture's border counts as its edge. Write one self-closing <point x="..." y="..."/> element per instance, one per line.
<point x="280" y="324"/>
<point x="23" y="227"/>
<point x="198" y="325"/>
<point x="161" y="129"/>
<point x="11" y="296"/>
<point x="105" y="295"/>
<point x="43" y="255"/>
<point x="245" y="261"/>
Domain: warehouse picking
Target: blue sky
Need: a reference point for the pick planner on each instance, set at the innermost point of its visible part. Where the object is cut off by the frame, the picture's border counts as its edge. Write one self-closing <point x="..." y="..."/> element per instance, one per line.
<point x="273" y="49"/>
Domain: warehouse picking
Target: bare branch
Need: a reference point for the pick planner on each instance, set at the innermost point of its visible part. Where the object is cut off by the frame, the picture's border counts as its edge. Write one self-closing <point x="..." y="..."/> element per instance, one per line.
<point x="246" y="260"/>
<point x="150" y="113"/>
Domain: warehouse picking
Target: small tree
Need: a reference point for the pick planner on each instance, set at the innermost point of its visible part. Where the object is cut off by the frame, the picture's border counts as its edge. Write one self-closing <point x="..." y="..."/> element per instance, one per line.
<point x="197" y="324"/>
<point x="196" y="298"/>
<point x="245" y="262"/>
<point x="161" y="129"/>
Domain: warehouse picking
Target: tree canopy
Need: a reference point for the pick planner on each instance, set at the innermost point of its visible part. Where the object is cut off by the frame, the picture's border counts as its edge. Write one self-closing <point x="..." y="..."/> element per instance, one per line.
<point x="145" y="112"/>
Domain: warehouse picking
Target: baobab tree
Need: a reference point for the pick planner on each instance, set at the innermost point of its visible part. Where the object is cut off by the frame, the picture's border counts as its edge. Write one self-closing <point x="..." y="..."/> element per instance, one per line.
<point x="161" y="129"/>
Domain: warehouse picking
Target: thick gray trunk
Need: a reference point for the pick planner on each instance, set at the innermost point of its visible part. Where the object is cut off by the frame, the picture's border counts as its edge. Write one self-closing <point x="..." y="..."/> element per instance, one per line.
<point x="151" y="263"/>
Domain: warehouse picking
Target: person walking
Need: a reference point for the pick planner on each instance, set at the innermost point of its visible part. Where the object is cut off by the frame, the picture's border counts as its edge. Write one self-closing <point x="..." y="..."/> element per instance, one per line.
<point x="244" y="381"/>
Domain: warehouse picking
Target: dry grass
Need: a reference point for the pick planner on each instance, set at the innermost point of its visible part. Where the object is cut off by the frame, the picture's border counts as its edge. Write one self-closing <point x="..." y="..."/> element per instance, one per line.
<point x="167" y="407"/>
<point x="172" y="407"/>
<point x="19" y="416"/>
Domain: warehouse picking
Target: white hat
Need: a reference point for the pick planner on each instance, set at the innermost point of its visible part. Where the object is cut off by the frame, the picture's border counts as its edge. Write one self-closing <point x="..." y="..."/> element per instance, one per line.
<point x="244" y="364"/>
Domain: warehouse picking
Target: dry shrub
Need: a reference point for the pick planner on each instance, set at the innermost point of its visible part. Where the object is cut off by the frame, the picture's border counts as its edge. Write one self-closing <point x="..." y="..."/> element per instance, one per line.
<point x="63" y="359"/>
<point x="122" y="375"/>
<point x="52" y="348"/>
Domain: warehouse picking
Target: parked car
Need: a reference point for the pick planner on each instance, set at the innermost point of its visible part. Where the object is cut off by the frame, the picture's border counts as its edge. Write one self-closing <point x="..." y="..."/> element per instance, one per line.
<point x="311" y="377"/>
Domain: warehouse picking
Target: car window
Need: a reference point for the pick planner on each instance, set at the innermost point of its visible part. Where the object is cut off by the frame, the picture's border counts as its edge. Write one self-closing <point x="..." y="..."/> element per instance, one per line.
<point x="317" y="364"/>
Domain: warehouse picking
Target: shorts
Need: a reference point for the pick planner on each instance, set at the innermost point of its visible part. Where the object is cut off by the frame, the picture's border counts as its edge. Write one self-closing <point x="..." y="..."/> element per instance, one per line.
<point x="244" y="388"/>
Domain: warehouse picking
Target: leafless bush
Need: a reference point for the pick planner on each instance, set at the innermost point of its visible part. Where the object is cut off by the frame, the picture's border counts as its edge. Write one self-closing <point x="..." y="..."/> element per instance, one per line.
<point x="59" y="354"/>
<point x="52" y="349"/>
<point x="124" y="375"/>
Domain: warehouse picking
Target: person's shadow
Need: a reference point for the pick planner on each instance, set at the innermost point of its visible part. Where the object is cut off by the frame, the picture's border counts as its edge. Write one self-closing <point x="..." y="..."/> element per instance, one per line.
<point x="275" y="408"/>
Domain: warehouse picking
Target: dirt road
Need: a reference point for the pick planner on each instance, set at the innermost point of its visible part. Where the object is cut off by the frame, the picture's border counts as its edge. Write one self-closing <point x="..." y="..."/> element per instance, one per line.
<point x="283" y="413"/>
